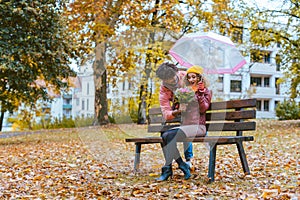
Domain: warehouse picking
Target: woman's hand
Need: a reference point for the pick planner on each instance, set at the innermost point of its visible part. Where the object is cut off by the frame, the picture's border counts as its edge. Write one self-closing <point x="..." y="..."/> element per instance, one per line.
<point x="201" y="86"/>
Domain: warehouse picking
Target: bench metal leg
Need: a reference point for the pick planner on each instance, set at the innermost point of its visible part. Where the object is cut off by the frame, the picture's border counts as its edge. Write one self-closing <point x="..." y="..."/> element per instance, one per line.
<point x="212" y="161"/>
<point x="243" y="157"/>
<point x="138" y="148"/>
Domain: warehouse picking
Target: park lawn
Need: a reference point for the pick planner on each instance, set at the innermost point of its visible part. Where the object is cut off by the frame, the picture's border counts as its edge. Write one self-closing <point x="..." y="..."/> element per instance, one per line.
<point x="96" y="163"/>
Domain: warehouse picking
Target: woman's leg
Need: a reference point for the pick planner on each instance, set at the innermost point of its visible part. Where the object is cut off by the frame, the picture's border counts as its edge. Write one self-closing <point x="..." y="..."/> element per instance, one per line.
<point x="188" y="150"/>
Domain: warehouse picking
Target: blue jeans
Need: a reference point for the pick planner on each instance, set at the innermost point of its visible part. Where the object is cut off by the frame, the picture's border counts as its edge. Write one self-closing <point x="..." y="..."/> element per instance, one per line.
<point x="188" y="150"/>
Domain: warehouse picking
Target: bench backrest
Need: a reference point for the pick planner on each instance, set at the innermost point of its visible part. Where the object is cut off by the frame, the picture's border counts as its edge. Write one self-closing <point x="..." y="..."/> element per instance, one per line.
<point x="233" y="115"/>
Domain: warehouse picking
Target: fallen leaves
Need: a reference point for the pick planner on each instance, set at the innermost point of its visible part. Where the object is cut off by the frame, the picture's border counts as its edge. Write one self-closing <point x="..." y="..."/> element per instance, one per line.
<point x="96" y="163"/>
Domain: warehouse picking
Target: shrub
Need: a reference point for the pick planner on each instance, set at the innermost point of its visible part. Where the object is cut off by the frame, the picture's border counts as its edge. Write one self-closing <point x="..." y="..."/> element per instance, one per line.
<point x="288" y="110"/>
<point x="82" y="121"/>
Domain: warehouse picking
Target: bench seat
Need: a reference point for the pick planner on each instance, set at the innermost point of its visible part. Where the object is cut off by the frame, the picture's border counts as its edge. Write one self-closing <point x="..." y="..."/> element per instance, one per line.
<point x="234" y="116"/>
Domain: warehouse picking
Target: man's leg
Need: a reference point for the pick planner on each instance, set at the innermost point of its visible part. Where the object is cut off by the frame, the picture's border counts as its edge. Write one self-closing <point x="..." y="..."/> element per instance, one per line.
<point x="170" y="146"/>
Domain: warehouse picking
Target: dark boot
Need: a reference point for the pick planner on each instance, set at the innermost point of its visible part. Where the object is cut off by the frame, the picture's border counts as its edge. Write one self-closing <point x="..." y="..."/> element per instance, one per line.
<point x="186" y="170"/>
<point x="166" y="172"/>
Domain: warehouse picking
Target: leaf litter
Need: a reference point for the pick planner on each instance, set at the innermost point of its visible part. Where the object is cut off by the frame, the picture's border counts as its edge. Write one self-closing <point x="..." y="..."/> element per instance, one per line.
<point x="97" y="163"/>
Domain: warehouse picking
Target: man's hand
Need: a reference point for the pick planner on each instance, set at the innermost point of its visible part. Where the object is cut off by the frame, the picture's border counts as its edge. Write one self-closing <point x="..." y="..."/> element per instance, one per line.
<point x="176" y="112"/>
<point x="182" y="107"/>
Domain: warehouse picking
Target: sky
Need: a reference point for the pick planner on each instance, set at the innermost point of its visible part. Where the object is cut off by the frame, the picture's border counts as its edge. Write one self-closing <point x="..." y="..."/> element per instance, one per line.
<point x="271" y="4"/>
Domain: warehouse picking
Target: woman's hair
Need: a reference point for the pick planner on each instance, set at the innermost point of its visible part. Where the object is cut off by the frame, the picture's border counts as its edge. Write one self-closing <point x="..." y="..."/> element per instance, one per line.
<point x="200" y="76"/>
<point x="166" y="71"/>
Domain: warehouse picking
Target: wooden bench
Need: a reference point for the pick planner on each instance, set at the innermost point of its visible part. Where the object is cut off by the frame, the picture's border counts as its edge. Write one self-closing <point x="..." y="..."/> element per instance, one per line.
<point x="233" y="116"/>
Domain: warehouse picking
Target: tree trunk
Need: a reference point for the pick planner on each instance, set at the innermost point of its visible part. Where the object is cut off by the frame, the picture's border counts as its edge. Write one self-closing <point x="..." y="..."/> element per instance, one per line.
<point x="1" y="120"/>
<point x="100" y="76"/>
<point x="142" y="105"/>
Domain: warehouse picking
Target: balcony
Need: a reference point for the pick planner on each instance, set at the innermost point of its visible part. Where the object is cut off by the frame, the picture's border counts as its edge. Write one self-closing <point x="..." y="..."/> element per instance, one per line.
<point x="263" y="68"/>
<point x="265" y="91"/>
<point x="67" y="96"/>
<point x="67" y="106"/>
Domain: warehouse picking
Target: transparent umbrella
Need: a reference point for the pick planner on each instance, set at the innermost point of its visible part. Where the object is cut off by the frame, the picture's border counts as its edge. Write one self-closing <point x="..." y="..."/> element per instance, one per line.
<point x="217" y="54"/>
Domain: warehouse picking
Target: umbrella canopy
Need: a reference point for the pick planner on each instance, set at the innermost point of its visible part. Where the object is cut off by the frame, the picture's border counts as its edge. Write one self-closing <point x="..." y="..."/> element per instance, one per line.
<point x="217" y="54"/>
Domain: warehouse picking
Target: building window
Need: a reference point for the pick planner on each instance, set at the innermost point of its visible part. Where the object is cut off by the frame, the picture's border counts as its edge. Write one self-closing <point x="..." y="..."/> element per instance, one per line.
<point x="278" y="62"/>
<point x="88" y="89"/>
<point x="237" y="36"/>
<point x="82" y="105"/>
<point x="108" y="88"/>
<point x="87" y="104"/>
<point x="235" y="86"/>
<point x="255" y="81"/>
<point x="123" y="87"/>
<point x="276" y="104"/>
<point x="220" y="84"/>
<point x="267" y="82"/>
<point x="266" y="105"/>
<point x="260" y="56"/>
<point x="258" y="105"/>
<point x="277" y="86"/>
<point x="67" y="101"/>
<point x="67" y="113"/>
<point x="278" y="44"/>
<point x="267" y="57"/>
<point x="220" y="79"/>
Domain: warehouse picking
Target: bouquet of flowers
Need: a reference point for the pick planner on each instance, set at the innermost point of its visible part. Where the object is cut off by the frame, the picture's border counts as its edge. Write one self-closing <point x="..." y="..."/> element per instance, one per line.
<point x="185" y="95"/>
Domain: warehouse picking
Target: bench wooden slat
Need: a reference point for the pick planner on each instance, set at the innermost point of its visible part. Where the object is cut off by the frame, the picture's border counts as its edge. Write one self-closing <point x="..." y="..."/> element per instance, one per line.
<point x="216" y="116"/>
<point x="222" y="105"/>
<point x="159" y="119"/>
<point x="233" y="126"/>
<point x="213" y="139"/>
<point x="231" y="115"/>
<point x="155" y="111"/>
<point x="160" y="128"/>
<point x="233" y="104"/>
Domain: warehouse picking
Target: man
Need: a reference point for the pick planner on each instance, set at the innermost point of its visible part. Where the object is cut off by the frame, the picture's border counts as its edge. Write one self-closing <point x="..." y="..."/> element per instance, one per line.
<point x="172" y="79"/>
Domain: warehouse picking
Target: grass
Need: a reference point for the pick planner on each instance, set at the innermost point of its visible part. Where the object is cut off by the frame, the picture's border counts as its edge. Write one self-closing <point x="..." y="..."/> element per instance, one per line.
<point x="96" y="163"/>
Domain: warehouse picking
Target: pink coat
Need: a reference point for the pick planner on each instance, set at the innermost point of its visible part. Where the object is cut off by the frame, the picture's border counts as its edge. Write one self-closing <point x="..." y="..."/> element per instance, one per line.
<point x="166" y="96"/>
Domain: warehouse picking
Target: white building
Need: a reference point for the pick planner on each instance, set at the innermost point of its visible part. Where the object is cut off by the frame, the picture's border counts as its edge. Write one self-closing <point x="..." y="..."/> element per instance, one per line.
<point x="257" y="79"/>
<point x="83" y="96"/>
<point x="81" y="100"/>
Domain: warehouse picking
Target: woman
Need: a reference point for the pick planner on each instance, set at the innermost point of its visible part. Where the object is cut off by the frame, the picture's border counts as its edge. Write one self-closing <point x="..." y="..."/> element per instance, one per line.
<point x="193" y="123"/>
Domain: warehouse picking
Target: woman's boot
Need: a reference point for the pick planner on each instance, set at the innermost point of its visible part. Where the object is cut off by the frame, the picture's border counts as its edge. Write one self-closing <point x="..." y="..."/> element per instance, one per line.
<point x="186" y="170"/>
<point x="166" y="172"/>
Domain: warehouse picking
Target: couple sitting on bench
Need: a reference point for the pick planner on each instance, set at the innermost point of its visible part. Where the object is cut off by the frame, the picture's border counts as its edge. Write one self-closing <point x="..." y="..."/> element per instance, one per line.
<point x="190" y="89"/>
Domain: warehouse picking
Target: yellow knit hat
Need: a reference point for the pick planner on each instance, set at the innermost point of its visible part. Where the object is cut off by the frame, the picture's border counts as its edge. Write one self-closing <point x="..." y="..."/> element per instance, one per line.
<point x="195" y="69"/>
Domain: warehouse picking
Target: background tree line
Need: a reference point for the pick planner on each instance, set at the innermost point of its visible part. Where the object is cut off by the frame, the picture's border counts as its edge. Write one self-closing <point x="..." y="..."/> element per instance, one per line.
<point x="39" y="38"/>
